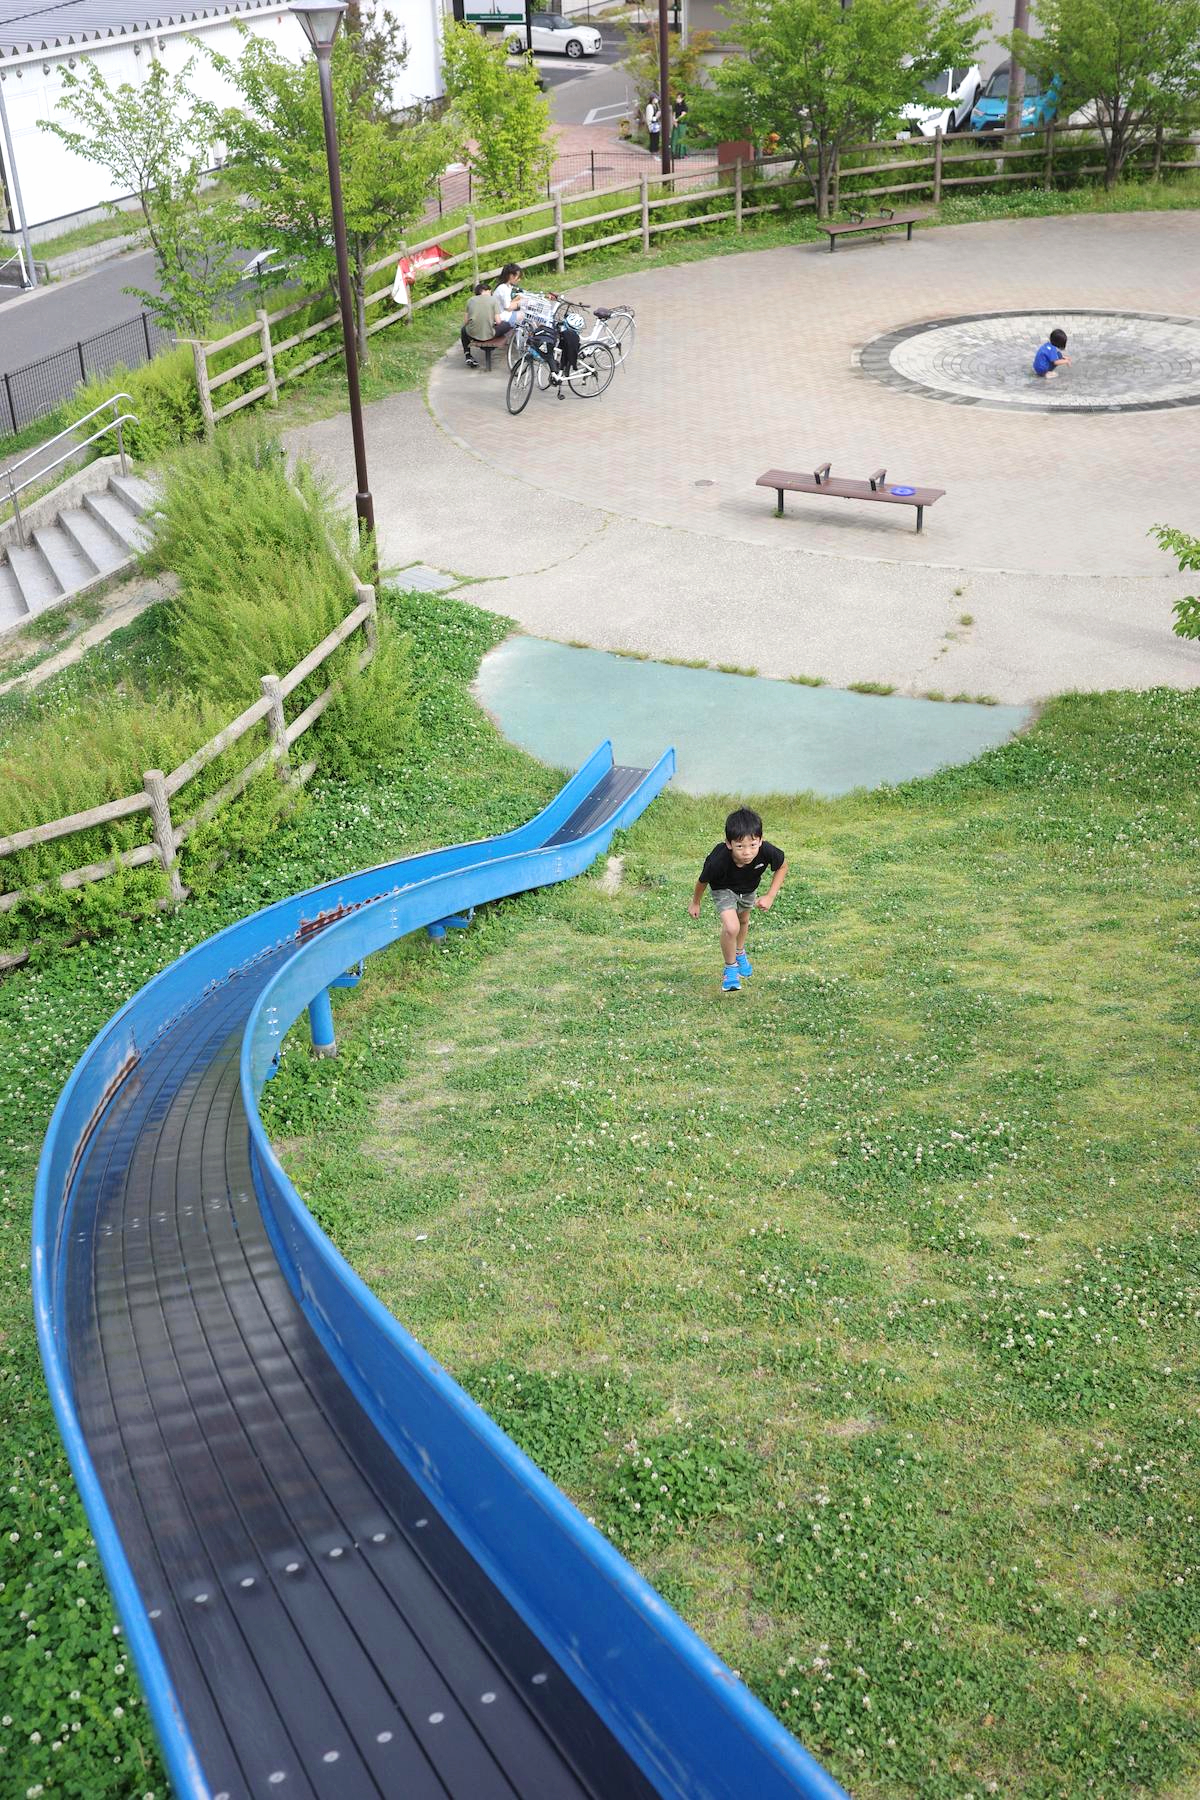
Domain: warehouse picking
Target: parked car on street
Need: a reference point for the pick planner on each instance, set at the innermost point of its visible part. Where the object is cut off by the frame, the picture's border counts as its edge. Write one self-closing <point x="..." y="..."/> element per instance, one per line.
<point x="952" y="95"/>
<point x="1038" y="107"/>
<point x="554" y="31"/>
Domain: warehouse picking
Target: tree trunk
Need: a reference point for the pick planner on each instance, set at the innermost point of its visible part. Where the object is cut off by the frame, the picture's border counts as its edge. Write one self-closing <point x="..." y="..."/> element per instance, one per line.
<point x="824" y="172"/>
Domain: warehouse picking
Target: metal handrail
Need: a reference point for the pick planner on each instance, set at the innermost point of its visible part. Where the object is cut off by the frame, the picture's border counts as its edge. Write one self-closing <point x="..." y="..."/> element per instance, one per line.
<point x="45" y="469"/>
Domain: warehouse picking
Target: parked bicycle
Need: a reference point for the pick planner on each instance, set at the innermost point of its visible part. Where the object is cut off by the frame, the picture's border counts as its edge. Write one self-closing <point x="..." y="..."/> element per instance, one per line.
<point x="545" y="362"/>
<point x="613" y="326"/>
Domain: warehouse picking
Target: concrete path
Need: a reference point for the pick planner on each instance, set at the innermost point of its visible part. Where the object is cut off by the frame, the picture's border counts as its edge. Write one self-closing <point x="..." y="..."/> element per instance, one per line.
<point x="582" y="521"/>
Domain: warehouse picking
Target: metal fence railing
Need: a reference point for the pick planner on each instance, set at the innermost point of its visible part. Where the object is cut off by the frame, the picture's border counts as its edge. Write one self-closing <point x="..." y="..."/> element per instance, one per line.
<point x="35" y="390"/>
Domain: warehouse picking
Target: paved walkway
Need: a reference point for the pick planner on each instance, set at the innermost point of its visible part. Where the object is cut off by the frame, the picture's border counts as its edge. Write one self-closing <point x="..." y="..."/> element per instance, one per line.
<point x="582" y="519"/>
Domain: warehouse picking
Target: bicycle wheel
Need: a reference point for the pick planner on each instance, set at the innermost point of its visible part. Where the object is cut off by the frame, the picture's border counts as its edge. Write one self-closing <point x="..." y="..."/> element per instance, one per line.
<point x="541" y="369"/>
<point x="520" y="386"/>
<point x="621" y="331"/>
<point x="516" y="346"/>
<point x="593" y="372"/>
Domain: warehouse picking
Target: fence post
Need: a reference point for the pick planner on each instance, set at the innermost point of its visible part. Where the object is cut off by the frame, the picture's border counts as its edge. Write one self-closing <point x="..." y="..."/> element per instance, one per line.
<point x="560" y="261"/>
<point x="836" y="184"/>
<point x="938" y="146"/>
<point x="737" y="194"/>
<point x="200" y="364"/>
<point x="264" y="332"/>
<point x="1158" y="153"/>
<point x="277" y="725"/>
<point x="146" y="334"/>
<point x="592" y="155"/>
<point x="473" y="247"/>
<point x="12" y="415"/>
<point x="1048" y="169"/>
<point x="365" y="596"/>
<point x="645" y="212"/>
<point x="82" y="364"/>
<point x="154" y="783"/>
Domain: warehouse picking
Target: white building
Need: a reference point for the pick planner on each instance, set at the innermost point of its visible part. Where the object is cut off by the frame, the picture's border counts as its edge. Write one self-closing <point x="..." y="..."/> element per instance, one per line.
<point x="39" y="39"/>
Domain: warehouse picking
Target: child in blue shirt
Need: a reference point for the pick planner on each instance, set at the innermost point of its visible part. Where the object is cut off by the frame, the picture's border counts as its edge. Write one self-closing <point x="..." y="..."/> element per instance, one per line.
<point x="1050" y="355"/>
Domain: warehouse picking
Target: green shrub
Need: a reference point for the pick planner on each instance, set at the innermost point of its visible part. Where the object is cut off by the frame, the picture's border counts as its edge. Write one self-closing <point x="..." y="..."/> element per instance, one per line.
<point x="264" y="561"/>
<point x="374" y="719"/>
<point x="163" y="396"/>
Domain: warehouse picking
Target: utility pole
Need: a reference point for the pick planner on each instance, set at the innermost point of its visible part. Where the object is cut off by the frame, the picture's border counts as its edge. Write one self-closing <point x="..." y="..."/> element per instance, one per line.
<point x="18" y="203"/>
<point x="1016" y="76"/>
<point x="664" y="88"/>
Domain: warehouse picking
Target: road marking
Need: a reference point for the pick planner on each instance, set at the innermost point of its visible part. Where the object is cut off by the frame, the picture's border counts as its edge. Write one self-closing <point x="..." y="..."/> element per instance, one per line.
<point x="599" y="114"/>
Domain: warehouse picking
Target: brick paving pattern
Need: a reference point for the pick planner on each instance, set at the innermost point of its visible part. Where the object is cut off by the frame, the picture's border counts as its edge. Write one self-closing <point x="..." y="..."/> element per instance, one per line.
<point x="1120" y="361"/>
<point x="752" y="361"/>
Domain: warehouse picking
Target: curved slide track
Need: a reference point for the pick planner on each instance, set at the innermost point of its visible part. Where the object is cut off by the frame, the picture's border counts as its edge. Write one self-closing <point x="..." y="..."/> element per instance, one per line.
<point x="338" y="1578"/>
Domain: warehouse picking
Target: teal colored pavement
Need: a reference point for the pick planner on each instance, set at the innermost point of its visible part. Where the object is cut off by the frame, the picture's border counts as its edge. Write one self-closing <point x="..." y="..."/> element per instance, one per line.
<point x="733" y="734"/>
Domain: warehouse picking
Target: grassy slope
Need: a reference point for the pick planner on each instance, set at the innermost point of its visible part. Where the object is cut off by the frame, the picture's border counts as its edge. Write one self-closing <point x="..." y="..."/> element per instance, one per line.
<point x="889" y="1267"/>
<point x="789" y="1245"/>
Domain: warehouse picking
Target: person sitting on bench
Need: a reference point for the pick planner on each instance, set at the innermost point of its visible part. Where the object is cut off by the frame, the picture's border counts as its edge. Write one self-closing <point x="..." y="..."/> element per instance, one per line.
<point x="481" y="324"/>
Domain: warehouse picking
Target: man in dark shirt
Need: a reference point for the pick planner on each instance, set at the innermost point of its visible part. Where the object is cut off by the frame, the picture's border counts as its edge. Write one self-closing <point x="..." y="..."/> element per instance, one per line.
<point x="733" y="871"/>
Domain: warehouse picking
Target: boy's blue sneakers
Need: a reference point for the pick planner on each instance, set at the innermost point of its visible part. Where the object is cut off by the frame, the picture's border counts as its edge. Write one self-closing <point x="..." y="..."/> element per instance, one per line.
<point x="732" y="981"/>
<point x="743" y="965"/>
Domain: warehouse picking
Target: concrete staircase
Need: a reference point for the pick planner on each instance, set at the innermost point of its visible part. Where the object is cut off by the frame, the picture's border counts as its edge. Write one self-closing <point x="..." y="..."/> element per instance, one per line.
<point x="82" y="545"/>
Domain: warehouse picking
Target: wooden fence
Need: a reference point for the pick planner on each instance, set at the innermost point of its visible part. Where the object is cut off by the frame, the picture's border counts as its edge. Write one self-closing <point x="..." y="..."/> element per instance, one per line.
<point x="931" y="166"/>
<point x="158" y="790"/>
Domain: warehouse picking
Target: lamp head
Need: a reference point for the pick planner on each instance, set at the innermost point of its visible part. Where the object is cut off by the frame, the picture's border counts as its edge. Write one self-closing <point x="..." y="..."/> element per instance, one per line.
<point x="320" y="19"/>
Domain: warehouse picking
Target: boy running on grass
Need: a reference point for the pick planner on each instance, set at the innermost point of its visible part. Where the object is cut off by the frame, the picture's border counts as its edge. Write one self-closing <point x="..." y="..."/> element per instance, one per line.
<point x="733" y="871"/>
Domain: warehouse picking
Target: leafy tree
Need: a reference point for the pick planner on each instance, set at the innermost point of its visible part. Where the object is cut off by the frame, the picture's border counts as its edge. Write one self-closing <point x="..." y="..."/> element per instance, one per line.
<point x="156" y="141"/>
<point x="1132" y="64"/>
<point x="824" y="77"/>
<point x="502" y="112"/>
<point x="275" y="142"/>
<point x="1186" y="551"/>
<point x="685" y="62"/>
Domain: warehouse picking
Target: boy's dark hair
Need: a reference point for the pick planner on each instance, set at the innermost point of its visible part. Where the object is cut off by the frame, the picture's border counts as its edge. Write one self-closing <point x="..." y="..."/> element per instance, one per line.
<point x="1058" y="338"/>
<point x="743" y="823"/>
<point x="481" y="287"/>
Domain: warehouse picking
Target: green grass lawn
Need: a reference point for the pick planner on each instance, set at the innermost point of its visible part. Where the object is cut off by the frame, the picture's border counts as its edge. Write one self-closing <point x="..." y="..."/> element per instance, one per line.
<point x="859" y="1309"/>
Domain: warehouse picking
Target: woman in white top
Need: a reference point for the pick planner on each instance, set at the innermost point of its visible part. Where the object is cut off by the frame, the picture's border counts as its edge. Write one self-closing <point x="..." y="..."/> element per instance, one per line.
<point x="652" y="120"/>
<point x="508" y="302"/>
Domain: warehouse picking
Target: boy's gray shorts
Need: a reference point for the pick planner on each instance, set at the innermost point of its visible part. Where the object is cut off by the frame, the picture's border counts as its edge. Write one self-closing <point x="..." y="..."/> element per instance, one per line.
<point x="725" y="900"/>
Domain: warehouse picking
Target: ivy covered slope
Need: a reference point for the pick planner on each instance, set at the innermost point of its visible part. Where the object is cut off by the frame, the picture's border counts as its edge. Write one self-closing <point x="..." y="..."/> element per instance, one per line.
<point x="858" y="1310"/>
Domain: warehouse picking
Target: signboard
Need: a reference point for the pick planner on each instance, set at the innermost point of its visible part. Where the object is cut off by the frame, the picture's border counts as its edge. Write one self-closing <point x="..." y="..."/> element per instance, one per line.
<point x="494" y="12"/>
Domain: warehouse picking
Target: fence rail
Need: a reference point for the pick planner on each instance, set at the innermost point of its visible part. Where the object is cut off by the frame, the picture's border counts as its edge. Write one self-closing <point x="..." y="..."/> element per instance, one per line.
<point x="159" y="789"/>
<point x="36" y="389"/>
<point x="931" y="166"/>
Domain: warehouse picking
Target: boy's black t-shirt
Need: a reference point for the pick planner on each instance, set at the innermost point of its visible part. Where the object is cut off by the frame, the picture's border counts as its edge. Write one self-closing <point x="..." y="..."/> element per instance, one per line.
<point x="720" y="870"/>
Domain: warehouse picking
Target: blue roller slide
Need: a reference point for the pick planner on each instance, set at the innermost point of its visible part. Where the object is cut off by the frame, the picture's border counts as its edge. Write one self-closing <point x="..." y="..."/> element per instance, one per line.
<point x="338" y="1578"/>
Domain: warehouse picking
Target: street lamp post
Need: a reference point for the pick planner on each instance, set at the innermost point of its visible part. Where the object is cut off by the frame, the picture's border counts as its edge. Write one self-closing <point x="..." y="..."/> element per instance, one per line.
<point x="320" y="19"/>
<point x="664" y="88"/>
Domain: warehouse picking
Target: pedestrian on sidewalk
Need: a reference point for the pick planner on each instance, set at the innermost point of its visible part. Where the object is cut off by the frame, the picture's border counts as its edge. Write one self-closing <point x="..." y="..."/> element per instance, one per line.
<point x="679" y="111"/>
<point x="652" y="121"/>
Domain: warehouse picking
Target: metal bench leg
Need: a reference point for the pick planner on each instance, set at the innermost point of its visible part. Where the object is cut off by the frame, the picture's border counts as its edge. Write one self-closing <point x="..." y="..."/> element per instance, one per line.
<point x="832" y="243"/>
<point x="920" y="516"/>
<point x="910" y="226"/>
<point x="487" y="361"/>
<point x="779" y="508"/>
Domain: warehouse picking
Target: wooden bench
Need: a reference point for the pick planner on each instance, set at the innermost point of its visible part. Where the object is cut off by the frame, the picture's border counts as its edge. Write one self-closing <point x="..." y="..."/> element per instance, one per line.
<point x="884" y="220"/>
<point x="786" y="481"/>
<point x="489" y="346"/>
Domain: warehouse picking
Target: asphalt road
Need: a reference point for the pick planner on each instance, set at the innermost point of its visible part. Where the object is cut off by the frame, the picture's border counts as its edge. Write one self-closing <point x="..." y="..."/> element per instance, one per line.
<point x="51" y="318"/>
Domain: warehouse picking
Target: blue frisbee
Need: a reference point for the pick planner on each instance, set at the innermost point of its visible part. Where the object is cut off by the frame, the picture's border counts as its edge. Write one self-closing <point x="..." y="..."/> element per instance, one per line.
<point x="903" y="490"/>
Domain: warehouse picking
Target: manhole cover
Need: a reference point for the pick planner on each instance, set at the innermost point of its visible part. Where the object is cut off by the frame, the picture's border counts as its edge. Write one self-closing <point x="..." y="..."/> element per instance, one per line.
<point x="1120" y="361"/>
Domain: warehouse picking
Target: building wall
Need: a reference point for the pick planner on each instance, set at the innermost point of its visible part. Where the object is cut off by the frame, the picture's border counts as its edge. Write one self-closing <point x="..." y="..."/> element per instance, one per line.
<point x="58" y="186"/>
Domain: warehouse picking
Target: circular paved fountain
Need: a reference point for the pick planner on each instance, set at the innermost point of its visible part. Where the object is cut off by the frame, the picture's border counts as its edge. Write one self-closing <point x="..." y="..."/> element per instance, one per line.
<point x="1120" y="361"/>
